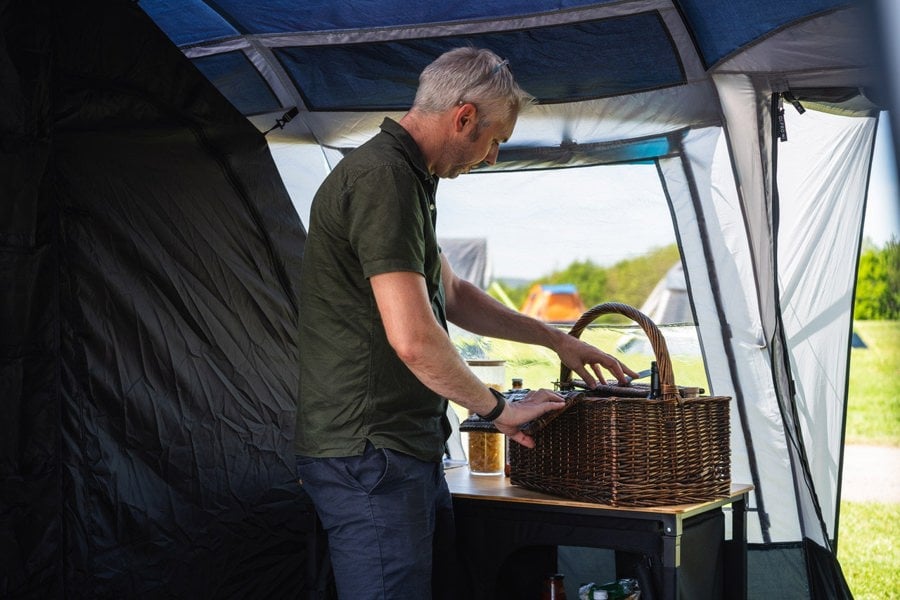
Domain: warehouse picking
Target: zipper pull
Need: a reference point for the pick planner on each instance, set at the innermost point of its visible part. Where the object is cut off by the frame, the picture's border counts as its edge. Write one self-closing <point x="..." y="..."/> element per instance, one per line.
<point x="794" y="102"/>
<point x="782" y="129"/>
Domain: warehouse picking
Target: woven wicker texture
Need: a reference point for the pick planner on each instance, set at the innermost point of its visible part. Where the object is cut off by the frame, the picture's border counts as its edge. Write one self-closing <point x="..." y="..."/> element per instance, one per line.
<point x="626" y="451"/>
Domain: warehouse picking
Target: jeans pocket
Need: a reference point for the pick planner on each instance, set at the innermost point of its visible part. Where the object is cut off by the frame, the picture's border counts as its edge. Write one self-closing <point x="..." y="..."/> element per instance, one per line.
<point x="301" y="463"/>
<point x="369" y="470"/>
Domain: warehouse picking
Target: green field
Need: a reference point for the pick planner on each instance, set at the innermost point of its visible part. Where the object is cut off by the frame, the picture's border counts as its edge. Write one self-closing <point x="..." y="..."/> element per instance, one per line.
<point x="868" y="547"/>
<point x="873" y="406"/>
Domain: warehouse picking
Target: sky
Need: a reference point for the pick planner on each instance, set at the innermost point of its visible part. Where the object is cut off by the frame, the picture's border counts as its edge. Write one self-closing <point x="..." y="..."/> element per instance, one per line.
<point x="883" y="205"/>
<point x="542" y="221"/>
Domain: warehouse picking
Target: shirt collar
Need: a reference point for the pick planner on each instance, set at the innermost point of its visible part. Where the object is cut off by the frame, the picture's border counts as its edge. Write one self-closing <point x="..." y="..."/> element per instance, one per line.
<point x="409" y="145"/>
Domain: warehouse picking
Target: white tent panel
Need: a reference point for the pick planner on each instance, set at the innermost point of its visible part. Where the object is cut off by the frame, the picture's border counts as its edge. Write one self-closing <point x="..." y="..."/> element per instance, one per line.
<point x="302" y="167"/>
<point x="773" y="517"/>
<point x="821" y="188"/>
<point x="746" y="117"/>
<point x="747" y="376"/>
<point x="783" y="482"/>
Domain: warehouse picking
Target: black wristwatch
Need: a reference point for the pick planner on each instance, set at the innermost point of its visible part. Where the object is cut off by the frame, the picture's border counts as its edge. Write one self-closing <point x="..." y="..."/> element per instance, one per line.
<point x="498" y="409"/>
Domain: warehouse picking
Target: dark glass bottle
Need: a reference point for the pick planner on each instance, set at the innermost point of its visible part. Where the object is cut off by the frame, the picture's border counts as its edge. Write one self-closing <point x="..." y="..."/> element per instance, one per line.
<point x="554" y="588"/>
<point x="654" y="381"/>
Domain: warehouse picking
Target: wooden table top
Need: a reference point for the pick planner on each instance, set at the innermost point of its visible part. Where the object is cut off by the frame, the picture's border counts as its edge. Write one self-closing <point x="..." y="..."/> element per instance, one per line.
<point x="498" y="488"/>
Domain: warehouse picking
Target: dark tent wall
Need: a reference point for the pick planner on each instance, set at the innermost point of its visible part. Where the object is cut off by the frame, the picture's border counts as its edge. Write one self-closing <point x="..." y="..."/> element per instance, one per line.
<point x="148" y="255"/>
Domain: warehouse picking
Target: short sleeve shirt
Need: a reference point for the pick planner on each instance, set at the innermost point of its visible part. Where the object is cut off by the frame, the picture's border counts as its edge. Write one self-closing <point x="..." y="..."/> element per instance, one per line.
<point x="374" y="213"/>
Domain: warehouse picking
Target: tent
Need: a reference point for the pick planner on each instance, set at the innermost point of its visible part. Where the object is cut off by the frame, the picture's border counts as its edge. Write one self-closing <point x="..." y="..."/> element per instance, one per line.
<point x="669" y="307"/>
<point x="151" y="238"/>
<point x="669" y="301"/>
<point x="469" y="259"/>
<point x="556" y="303"/>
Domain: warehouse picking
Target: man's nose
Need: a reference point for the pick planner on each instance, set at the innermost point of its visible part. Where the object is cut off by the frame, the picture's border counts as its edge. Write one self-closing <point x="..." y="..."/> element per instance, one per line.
<point x="491" y="157"/>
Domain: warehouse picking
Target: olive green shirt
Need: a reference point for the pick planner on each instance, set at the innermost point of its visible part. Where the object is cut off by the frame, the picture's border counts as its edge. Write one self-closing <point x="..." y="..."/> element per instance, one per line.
<point x="374" y="213"/>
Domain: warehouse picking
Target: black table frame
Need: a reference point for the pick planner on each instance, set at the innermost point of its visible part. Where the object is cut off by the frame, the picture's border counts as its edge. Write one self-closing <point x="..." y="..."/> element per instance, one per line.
<point x="495" y="518"/>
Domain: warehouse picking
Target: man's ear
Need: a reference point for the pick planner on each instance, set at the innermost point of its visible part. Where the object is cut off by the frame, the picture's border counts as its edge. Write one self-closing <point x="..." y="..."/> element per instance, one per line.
<point x="464" y="116"/>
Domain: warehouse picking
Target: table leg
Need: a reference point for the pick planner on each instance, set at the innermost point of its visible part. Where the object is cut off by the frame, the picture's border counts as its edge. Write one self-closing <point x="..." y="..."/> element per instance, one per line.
<point x="671" y="557"/>
<point x="736" y="552"/>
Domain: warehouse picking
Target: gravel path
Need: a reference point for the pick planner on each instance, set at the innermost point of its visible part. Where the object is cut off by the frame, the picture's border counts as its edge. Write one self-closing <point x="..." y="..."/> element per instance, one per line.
<point x="871" y="474"/>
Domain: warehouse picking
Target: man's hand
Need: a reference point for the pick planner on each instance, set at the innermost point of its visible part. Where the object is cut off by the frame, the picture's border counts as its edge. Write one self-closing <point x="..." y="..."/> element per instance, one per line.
<point x="579" y="355"/>
<point x="532" y="406"/>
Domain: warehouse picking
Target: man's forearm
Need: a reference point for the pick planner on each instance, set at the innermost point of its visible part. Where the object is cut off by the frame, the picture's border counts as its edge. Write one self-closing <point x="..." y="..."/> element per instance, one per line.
<point x="422" y="344"/>
<point x="477" y="312"/>
<point x="473" y="310"/>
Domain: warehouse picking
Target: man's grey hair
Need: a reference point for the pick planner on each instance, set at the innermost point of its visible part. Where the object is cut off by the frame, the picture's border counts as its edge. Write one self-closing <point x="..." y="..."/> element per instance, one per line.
<point x="470" y="75"/>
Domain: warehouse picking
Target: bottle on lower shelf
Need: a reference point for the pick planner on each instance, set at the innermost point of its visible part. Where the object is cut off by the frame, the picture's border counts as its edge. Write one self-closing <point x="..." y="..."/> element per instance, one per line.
<point x="554" y="587"/>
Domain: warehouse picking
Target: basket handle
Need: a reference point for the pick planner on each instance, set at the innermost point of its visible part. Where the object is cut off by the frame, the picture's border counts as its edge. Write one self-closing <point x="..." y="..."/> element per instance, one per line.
<point x="660" y="350"/>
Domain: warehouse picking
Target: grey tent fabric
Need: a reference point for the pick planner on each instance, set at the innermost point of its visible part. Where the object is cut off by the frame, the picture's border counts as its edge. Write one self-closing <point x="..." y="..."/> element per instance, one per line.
<point x="150" y="255"/>
<point x="669" y="301"/>
<point x="469" y="258"/>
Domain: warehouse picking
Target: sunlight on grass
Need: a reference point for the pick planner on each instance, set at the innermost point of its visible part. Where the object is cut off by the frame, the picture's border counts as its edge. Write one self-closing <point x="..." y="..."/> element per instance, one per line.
<point x="868" y="549"/>
<point x="873" y="413"/>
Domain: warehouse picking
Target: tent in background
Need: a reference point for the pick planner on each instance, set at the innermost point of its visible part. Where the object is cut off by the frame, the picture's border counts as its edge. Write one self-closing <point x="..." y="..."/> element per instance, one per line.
<point x="669" y="307"/>
<point x="150" y="248"/>
<point x="553" y="303"/>
<point x="469" y="259"/>
<point x="669" y="301"/>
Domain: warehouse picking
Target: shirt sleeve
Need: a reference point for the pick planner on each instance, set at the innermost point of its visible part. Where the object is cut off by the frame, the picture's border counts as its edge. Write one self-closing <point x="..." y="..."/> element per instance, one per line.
<point x="386" y="221"/>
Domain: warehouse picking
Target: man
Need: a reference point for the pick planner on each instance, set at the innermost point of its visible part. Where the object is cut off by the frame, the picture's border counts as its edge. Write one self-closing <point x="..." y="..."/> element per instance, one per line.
<point x="376" y="364"/>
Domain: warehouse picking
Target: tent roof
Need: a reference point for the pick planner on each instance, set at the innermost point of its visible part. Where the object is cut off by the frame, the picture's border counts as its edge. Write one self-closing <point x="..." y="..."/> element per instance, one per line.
<point x="719" y="28"/>
<point x="329" y="58"/>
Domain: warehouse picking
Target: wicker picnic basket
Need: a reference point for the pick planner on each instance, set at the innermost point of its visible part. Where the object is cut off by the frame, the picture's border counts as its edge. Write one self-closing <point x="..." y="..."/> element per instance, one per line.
<point x="610" y="447"/>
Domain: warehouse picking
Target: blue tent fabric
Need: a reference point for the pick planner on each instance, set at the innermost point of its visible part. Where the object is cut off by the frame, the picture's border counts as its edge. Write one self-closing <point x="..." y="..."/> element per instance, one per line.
<point x="204" y="21"/>
<point x="238" y="81"/>
<point x="637" y="53"/>
<point x="384" y="75"/>
<point x="721" y="28"/>
<point x="147" y="363"/>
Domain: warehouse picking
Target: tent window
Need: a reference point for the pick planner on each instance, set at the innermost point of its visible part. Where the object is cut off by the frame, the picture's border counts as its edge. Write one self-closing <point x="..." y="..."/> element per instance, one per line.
<point x="538" y="223"/>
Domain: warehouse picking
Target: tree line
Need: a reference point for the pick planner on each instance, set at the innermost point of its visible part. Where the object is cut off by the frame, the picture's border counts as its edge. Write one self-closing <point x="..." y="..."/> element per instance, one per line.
<point x="878" y="283"/>
<point x="631" y="281"/>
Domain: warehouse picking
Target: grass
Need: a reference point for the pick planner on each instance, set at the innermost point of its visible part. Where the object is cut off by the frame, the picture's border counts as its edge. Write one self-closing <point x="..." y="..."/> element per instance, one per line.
<point x="868" y="547"/>
<point x="873" y="409"/>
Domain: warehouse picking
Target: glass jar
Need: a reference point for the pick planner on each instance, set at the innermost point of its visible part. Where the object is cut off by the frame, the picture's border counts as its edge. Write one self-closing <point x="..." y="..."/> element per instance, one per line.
<point x="486" y="449"/>
<point x="486" y="455"/>
<point x="491" y="372"/>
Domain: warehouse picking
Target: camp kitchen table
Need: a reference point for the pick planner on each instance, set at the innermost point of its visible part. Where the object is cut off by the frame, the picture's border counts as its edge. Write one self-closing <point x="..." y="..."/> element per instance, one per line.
<point x="494" y="519"/>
